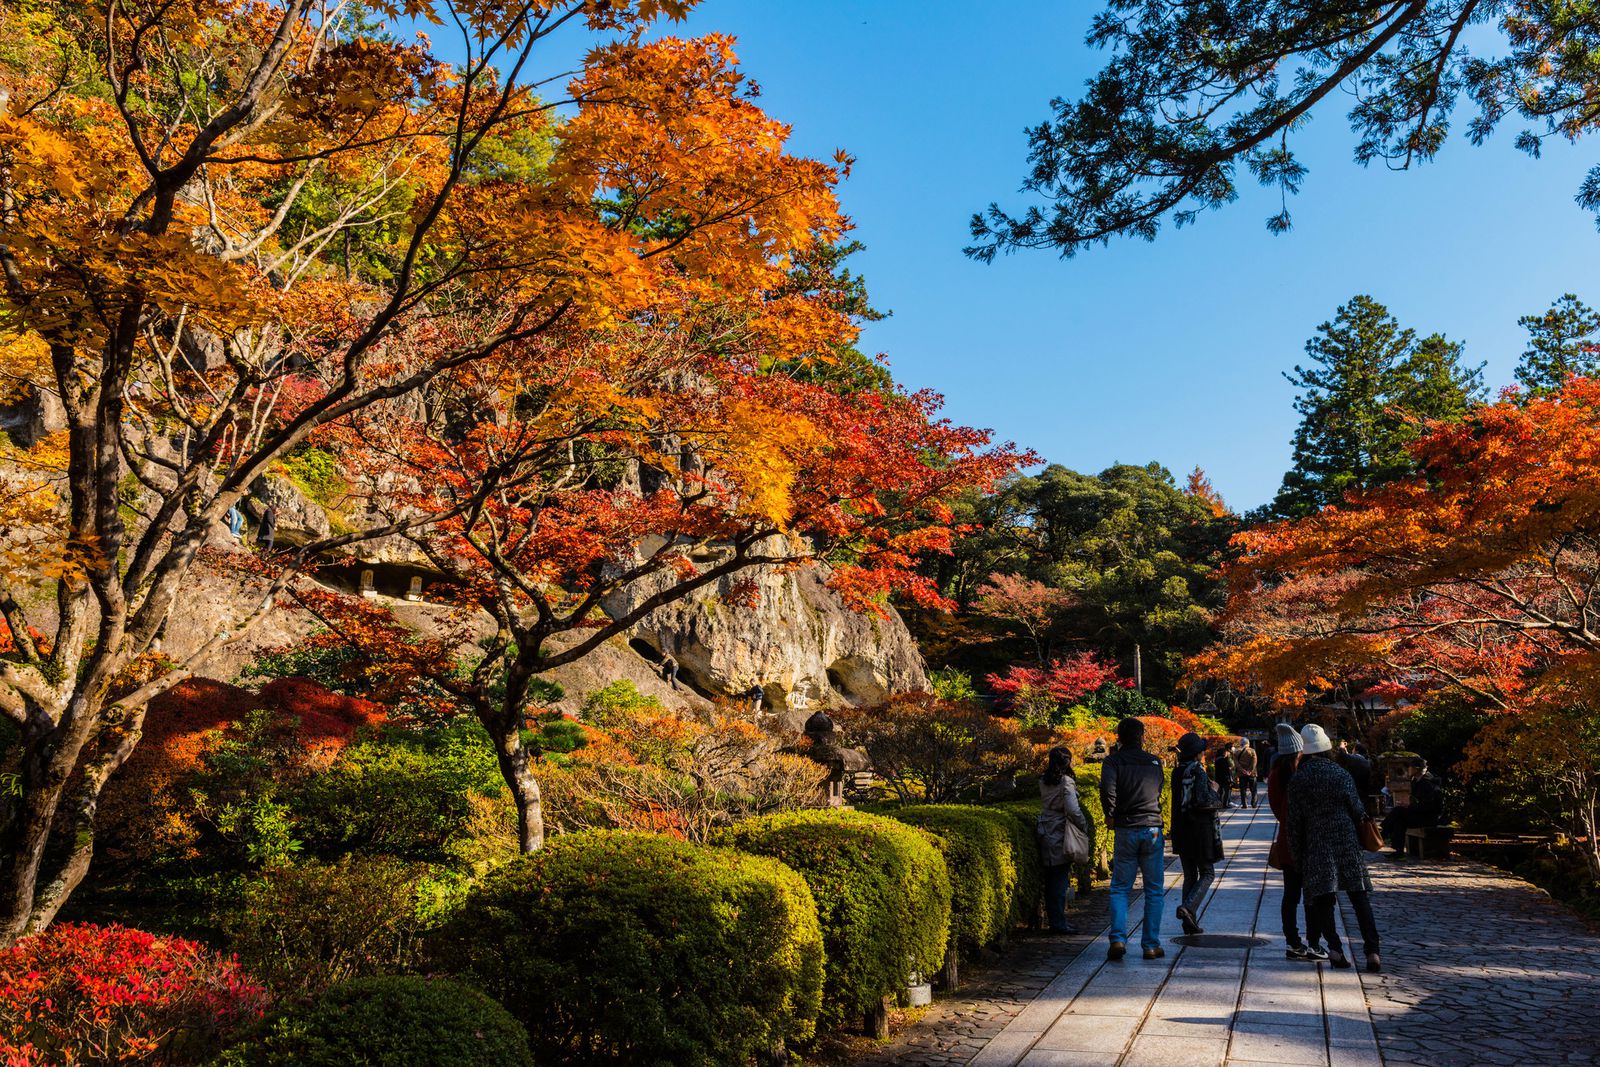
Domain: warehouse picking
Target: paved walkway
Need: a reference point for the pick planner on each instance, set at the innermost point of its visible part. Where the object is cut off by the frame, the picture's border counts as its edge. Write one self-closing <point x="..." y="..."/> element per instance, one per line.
<point x="1225" y="997"/>
<point x="1481" y="970"/>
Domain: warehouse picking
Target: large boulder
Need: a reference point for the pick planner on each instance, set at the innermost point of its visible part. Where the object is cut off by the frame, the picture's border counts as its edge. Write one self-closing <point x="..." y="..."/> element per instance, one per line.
<point x="798" y="640"/>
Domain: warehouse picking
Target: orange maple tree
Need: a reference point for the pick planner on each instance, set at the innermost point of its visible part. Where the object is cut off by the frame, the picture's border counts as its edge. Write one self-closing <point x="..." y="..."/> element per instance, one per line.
<point x="232" y="228"/>
<point x="1480" y="573"/>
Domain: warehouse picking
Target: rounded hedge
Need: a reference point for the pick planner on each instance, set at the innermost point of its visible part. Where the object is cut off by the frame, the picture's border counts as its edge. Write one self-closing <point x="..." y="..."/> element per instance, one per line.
<point x="882" y="892"/>
<point x="980" y="850"/>
<point x="388" y="1022"/>
<point x="1029" y="895"/>
<point x="635" y="948"/>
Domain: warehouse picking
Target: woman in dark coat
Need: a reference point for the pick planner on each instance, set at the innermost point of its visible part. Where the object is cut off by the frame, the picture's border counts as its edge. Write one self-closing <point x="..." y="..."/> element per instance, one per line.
<point x="1278" y="779"/>
<point x="1324" y="811"/>
<point x="1195" y="835"/>
<point x="1058" y="806"/>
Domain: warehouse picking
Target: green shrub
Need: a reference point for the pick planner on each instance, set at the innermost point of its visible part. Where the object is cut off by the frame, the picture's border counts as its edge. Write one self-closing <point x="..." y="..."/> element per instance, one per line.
<point x="980" y="850"/>
<point x="617" y="704"/>
<point x="882" y="892"/>
<point x="315" y="472"/>
<point x="407" y="794"/>
<point x="623" y="948"/>
<point x="306" y="927"/>
<point x="1028" y="897"/>
<point x="392" y="1022"/>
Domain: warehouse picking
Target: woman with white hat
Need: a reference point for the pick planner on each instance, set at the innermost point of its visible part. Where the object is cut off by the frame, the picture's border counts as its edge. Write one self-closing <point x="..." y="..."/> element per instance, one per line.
<point x="1324" y="814"/>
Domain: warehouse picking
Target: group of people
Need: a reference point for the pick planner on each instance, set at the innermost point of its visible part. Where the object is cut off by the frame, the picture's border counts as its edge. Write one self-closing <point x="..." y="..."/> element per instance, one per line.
<point x="1322" y="835"/>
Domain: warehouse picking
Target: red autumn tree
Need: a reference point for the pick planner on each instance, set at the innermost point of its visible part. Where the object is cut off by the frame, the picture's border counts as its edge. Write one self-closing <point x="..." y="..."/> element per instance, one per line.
<point x="1032" y="606"/>
<point x="1066" y="680"/>
<point x="1480" y="573"/>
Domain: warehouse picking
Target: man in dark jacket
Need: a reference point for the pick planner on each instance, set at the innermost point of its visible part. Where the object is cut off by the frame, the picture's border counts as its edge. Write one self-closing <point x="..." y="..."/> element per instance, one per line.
<point x="1222" y="774"/>
<point x="1130" y="793"/>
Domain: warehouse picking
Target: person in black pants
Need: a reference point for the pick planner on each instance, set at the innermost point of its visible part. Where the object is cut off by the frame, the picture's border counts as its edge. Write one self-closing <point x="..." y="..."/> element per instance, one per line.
<point x="1283" y="767"/>
<point x="1324" y="843"/>
<point x="1195" y="837"/>
<point x="1222" y="771"/>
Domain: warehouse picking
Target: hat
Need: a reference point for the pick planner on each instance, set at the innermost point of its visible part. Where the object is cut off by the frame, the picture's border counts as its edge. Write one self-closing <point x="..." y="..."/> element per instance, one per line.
<point x="1191" y="745"/>
<point x="1288" y="740"/>
<point x="1316" y="739"/>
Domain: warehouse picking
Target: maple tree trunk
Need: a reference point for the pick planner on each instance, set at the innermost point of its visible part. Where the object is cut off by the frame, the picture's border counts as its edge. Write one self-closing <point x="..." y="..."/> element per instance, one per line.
<point x="49" y="756"/>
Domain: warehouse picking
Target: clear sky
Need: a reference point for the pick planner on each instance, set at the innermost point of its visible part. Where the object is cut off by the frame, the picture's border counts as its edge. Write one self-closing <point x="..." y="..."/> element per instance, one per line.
<point x="1171" y="351"/>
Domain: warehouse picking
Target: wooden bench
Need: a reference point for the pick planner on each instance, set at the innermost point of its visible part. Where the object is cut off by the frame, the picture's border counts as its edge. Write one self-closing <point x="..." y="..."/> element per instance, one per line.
<point x="1429" y="842"/>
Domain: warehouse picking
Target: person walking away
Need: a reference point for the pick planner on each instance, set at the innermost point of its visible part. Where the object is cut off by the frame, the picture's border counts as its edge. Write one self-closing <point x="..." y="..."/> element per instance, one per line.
<point x="1245" y="762"/>
<point x="1423" y="811"/>
<point x="1283" y="768"/>
<point x="1063" y="836"/>
<point x="1222" y="771"/>
<point x="1130" y="794"/>
<point x="1324" y="843"/>
<point x="1196" y="838"/>
<point x="1358" y="767"/>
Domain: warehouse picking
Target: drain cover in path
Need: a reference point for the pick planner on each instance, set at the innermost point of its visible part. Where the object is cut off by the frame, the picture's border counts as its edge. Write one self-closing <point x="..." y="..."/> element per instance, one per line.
<point x="1222" y="941"/>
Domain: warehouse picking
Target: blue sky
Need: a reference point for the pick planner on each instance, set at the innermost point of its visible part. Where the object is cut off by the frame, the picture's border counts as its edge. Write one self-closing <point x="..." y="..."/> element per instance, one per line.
<point x="1171" y="351"/>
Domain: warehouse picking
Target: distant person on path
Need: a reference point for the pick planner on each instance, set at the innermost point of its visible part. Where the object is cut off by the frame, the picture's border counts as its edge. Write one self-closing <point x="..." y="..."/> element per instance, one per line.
<point x="1060" y="848"/>
<point x="1283" y="768"/>
<point x="1324" y="813"/>
<point x="669" y="670"/>
<point x="755" y="694"/>
<point x="1130" y="794"/>
<point x="1246" y="762"/>
<point x="1222" y="771"/>
<point x="235" y="520"/>
<point x="267" y="532"/>
<point x="1196" y="837"/>
<point x="1355" y="762"/>
<point x="1423" y="811"/>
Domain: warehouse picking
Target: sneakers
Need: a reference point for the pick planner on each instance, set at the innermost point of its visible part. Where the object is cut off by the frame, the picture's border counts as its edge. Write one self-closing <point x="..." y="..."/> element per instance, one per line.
<point x="1116" y="951"/>
<point x="1154" y="953"/>
<point x="1306" y="953"/>
<point x="1191" y="925"/>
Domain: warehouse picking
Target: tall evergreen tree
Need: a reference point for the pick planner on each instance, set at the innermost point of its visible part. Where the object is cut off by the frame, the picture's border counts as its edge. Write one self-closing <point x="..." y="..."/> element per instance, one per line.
<point x="1369" y="384"/>
<point x="1561" y="342"/>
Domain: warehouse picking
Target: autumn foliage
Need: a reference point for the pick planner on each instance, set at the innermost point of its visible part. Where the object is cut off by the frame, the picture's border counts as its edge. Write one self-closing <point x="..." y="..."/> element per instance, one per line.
<point x="81" y="994"/>
<point x="1477" y="574"/>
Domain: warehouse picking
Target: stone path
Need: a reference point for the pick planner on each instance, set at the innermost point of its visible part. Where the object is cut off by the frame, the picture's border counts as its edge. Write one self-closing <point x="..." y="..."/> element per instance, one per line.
<point x="1480" y="969"/>
<point x="1226" y="997"/>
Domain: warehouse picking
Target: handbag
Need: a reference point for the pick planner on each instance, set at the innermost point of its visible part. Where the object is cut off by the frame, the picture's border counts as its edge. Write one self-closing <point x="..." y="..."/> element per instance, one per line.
<point x="1077" y="844"/>
<point x="1278" y="857"/>
<point x="1370" y="834"/>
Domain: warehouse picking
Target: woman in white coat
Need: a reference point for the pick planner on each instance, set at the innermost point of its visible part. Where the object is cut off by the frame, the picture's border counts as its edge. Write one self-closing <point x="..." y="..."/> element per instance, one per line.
<point x="1063" y="836"/>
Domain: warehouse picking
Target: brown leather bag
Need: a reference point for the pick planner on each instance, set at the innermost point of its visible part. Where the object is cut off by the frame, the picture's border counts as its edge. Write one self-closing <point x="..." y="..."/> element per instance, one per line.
<point x="1278" y="857"/>
<point x="1370" y="834"/>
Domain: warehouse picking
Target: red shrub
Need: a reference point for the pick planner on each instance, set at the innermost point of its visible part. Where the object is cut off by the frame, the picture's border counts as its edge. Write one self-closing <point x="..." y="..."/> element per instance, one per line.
<point x="327" y="719"/>
<point x="84" y="994"/>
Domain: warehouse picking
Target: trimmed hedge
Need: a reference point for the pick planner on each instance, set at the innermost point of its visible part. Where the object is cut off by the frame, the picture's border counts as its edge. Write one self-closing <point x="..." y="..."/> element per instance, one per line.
<point x="629" y="948"/>
<point x="980" y="850"/>
<point x="882" y="892"/>
<point x="396" y="1022"/>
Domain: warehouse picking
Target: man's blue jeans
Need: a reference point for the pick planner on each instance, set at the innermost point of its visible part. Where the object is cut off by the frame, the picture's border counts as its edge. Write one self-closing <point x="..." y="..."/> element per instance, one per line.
<point x="1132" y="851"/>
